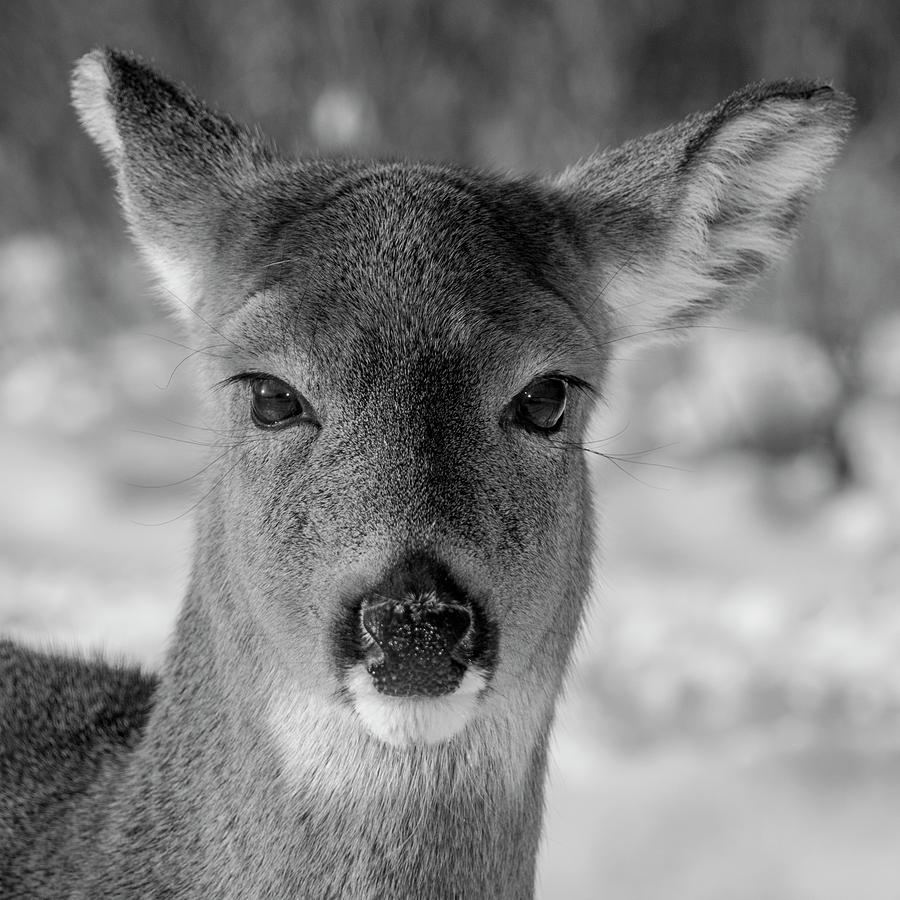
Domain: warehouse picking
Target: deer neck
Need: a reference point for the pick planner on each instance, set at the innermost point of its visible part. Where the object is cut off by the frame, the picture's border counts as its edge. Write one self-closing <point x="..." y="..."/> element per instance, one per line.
<point x="293" y="797"/>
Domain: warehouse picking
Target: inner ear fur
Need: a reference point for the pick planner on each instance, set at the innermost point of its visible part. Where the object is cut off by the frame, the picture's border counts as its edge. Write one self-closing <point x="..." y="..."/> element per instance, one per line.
<point x="178" y="164"/>
<point x="679" y="223"/>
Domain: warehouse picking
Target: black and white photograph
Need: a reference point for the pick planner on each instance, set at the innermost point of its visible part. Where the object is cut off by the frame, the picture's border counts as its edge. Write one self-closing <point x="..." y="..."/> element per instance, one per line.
<point x="450" y="450"/>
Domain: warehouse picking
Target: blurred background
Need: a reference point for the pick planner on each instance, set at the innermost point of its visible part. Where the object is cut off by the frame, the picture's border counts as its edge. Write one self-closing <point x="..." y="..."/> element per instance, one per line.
<point x="732" y="728"/>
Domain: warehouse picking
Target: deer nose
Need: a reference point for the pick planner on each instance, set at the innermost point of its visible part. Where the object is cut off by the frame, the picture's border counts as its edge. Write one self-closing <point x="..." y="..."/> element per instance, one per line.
<point x="416" y="645"/>
<point x="416" y="631"/>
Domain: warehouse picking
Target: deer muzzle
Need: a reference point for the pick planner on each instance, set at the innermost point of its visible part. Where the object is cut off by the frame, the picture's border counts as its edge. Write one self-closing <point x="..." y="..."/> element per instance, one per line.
<point x="416" y="646"/>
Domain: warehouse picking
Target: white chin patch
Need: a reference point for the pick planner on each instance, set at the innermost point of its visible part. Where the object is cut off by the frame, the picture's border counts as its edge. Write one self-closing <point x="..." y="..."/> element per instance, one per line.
<point x="402" y="721"/>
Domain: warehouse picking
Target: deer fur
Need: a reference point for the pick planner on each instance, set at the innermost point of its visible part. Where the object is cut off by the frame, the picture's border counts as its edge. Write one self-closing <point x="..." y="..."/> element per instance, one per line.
<point x="410" y="304"/>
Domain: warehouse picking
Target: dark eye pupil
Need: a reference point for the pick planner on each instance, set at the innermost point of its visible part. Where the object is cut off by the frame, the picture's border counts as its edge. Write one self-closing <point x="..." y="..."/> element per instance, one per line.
<point x="273" y="402"/>
<point x="542" y="403"/>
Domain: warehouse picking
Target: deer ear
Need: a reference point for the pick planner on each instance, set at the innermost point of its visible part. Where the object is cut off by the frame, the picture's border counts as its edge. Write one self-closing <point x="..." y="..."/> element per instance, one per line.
<point x="677" y="224"/>
<point x="178" y="164"/>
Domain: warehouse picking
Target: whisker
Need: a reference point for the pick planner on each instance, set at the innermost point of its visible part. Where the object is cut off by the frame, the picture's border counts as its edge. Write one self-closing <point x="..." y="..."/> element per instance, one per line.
<point x="182" y="480"/>
<point x="619" y="463"/>
<point x="612" y="437"/>
<point x="665" y="328"/>
<point x="625" y="460"/>
<point x="199" y="427"/>
<point x="193" y="506"/>
<point x="178" y="440"/>
<point x="210" y="326"/>
<point x="627" y="453"/>
<point x="168" y="384"/>
<point x="168" y="340"/>
<point x="605" y="287"/>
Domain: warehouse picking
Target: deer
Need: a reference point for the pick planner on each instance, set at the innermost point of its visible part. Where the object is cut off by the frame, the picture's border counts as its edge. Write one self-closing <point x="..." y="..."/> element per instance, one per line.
<point x="392" y="560"/>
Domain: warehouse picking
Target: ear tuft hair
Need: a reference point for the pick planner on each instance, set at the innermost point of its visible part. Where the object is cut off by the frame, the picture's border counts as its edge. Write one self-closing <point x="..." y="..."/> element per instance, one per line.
<point x="90" y="97"/>
<point x="180" y="166"/>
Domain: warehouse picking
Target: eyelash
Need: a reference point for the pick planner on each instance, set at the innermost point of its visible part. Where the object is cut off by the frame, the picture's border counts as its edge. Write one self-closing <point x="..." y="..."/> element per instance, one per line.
<point x="517" y="411"/>
<point x="239" y="378"/>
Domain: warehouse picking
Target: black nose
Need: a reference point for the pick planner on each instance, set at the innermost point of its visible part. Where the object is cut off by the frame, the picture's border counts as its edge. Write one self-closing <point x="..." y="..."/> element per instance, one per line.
<point x="430" y="626"/>
<point x="417" y="644"/>
<point x="417" y="631"/>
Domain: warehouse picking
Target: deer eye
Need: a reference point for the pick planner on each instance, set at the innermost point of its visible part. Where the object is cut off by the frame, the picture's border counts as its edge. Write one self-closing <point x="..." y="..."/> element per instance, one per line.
<point x="542" y="404"/>
<point x="274" y="403"/>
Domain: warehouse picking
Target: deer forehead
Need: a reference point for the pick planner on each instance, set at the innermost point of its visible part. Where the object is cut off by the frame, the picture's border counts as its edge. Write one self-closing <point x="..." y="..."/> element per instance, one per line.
<point x="395" y="352"/>
<point x="400" y="274"/>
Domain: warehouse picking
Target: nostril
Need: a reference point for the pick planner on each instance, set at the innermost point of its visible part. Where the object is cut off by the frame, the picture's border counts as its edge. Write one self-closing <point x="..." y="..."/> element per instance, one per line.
<point x="429" y="626"/>
<point x="455" y="622"/>
<point x="416" y="646"/>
